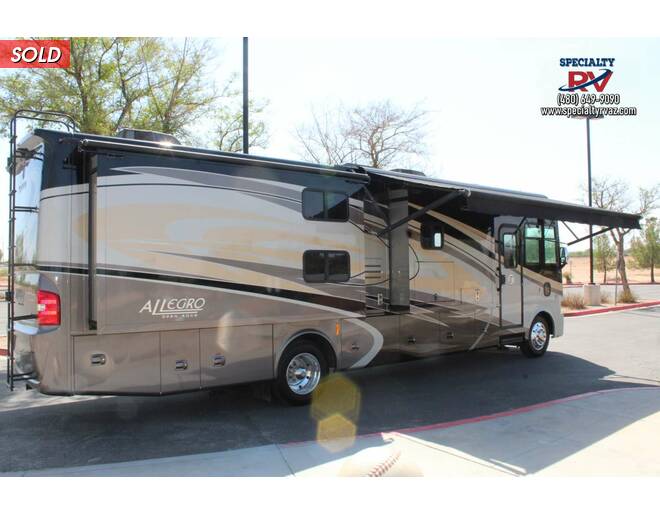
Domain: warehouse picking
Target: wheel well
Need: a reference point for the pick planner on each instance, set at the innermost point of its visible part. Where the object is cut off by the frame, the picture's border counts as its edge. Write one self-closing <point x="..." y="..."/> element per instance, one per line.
<point x="551" y="324"/>
<point x="323" y="344"/>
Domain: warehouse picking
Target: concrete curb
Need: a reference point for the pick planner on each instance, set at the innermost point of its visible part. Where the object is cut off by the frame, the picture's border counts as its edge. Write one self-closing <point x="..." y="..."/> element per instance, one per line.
<point x="486" y="417"/>
<point x="600" y="310"/>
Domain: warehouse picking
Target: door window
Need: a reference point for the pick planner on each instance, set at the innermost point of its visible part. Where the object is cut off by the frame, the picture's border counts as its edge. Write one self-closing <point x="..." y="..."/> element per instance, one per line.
<point x="510" y="250"/>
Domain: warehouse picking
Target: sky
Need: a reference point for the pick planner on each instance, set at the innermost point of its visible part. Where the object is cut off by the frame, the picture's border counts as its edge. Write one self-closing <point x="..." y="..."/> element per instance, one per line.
<point x="483" y="98"/>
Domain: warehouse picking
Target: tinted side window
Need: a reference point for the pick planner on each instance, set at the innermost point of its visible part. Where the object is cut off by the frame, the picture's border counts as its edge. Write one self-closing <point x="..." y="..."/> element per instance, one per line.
<point x="326" y="266"/>
<point x="337" y="206"/>
<point x="312" y="204"/>
<point x="314" y="266"/>
<point x="510" y="250"/>
<point x="324" y="205"/>
<point x="339" y="266"/>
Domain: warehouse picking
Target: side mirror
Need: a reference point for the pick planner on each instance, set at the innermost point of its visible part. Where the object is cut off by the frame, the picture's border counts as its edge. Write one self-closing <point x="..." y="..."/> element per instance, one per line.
<point x="563" y="255"/>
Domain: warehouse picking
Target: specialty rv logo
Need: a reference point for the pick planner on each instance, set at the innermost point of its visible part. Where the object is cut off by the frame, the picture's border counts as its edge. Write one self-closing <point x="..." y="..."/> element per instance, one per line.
<point x="174" y="308"/>
<point x="583" y="92"/>
<point x="581" y="80"/>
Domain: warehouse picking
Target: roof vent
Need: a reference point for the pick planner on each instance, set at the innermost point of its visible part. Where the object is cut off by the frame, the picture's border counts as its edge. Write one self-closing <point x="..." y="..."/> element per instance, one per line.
<point x="409" y="172"/>
<point x="148" y="135"/>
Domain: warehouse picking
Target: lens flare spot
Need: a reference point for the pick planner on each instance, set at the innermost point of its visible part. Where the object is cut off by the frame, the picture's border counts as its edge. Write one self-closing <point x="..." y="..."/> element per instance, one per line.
<point x="336" y="433"/>
<point x="336" y="395"/>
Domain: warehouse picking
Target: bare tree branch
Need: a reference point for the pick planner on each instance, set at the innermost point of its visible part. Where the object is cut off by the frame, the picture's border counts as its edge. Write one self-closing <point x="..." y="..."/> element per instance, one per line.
<point x="379" y="135"/>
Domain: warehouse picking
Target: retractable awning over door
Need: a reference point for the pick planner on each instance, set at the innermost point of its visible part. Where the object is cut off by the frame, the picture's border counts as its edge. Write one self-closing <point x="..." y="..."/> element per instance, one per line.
<point x="495" y="201"/>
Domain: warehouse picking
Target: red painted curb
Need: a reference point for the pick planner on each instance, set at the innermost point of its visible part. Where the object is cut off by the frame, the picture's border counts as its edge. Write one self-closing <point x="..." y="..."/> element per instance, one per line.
<point x="3" y="352"/>
<point x="520" y="410"/>
<point x="503" y="414"/>
<point x="610" y="309"/>
<point x="580" y="284"/>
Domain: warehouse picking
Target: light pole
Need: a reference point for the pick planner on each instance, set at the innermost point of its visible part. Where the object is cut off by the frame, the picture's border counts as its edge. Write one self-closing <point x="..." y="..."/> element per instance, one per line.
<point x="591" y="228"/>
<point x="246" y="126"/>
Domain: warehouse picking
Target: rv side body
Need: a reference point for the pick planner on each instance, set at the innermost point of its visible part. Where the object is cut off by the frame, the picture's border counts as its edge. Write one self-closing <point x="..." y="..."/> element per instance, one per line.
<point x="199" y="275"/>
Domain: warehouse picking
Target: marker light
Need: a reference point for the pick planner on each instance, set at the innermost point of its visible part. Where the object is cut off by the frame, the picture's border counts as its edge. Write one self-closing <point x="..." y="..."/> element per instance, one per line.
<point x="48" y="308"/>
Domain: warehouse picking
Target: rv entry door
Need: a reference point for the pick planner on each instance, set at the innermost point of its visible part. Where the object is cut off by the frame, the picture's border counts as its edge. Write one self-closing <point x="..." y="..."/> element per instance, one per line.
<point x="510" y="272"/>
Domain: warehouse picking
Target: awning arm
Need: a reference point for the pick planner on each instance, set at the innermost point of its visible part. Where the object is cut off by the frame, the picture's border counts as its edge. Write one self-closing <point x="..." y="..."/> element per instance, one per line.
<point x="590" y="236"/>
<point x="569" y="229"/>
<point x="434" y="204"/>
<point x="385" y="215"/>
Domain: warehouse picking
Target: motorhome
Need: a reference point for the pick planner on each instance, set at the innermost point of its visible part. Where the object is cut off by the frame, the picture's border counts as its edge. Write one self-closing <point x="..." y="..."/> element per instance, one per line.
<point x="141" y="266"/>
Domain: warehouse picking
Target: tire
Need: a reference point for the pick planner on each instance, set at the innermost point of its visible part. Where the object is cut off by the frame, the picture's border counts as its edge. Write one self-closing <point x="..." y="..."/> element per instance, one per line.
<point x="299" y="372"/>
<point x="538" y="339"/>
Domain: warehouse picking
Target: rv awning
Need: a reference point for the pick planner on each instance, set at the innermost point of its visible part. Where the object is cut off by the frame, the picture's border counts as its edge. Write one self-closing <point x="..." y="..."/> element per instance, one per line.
<point x="496" y="201"/>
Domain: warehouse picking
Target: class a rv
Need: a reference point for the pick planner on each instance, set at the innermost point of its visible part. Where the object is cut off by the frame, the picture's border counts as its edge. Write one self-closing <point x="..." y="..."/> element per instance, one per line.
<point x="140" y="266"/>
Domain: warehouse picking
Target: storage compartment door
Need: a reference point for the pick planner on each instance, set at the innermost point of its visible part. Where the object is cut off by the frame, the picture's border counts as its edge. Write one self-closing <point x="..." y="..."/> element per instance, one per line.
<point x="179" y="360"/>
<point x="236" y="354"/>
<point x="117" y="363"/>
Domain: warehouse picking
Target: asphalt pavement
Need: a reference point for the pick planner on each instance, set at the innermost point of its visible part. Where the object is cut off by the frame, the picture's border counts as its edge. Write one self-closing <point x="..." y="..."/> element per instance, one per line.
<point x="606" y="351"/>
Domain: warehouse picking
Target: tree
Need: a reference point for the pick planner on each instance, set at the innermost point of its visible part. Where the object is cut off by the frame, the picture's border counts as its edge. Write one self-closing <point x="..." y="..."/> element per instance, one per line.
<point x="604" y="255"/>
<point x="613" y="194"/>
<point x="646" y="250"/>
<point x="147" y="83"/>
<point x="378" y="134"/>
<point x="227" y="131"/>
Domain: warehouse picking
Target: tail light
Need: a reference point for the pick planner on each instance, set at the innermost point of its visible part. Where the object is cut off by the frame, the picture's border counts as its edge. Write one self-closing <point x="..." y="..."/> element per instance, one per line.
<point x="48" y="308"/>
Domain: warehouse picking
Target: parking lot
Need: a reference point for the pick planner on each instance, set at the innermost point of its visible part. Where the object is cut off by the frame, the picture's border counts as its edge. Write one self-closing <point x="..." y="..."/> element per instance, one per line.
<point x="598" y="352"/>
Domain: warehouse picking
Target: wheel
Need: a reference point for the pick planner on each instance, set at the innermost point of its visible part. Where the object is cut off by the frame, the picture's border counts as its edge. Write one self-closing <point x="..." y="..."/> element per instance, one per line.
<point x="539" y="337"/>
<point x="299" y="372"/>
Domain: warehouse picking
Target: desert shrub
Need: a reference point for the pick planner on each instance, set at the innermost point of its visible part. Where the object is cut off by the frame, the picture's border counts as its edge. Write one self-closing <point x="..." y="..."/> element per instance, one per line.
<point x="568" y="277"/>
<point x="573" y="301"/>
<point x="627" y="297"/>
<point x="605" y="297"/>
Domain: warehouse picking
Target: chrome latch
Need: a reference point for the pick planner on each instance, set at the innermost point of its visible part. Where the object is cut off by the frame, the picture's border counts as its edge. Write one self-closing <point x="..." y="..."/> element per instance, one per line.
<point x="98" y="359"/>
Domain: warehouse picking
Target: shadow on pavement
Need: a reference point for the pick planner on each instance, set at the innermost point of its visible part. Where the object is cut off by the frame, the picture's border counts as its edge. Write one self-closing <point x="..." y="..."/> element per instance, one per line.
<point x="37" y="431"/>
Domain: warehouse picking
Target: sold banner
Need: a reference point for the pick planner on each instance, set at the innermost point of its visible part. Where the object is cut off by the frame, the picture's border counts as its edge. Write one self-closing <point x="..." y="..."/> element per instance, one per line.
<point x="35" y="53"/>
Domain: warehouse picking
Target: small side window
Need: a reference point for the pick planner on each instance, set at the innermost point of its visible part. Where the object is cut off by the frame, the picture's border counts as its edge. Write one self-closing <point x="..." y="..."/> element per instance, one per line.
<point x="314" y="266"/>
<point x="339" y="267"/>
<point x="432" y="236"/>
<point x="326" y="266"/>
<point x="312" y="204"/>
<point x="509" y="250"/>
<point x="324" y="205"/>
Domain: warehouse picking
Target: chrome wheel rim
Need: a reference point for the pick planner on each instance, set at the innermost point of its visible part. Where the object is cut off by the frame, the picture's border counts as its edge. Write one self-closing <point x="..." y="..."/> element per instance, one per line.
<point x="303" y="373"/>
<point x="538" y="336"/>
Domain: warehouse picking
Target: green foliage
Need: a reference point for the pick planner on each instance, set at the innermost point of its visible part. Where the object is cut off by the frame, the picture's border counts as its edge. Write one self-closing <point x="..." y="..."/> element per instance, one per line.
<point x="605" y="255"/>
<point x="645" y="250"/>
<point x="227" y="132"/>
<point x="147" y="83"/>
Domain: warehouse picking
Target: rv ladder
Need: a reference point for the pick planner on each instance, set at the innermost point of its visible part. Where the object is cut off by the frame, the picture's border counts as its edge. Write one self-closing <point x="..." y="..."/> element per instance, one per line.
<point x="39" y="118"/>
